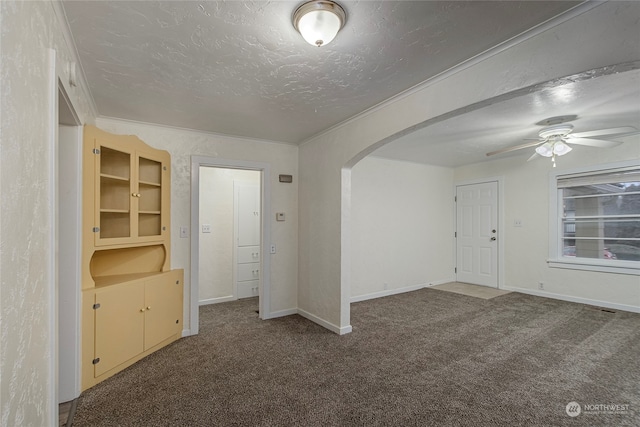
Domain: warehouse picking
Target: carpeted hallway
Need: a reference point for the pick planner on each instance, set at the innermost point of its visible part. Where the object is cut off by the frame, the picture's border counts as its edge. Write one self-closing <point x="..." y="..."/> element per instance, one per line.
<point x="424" y="358"/>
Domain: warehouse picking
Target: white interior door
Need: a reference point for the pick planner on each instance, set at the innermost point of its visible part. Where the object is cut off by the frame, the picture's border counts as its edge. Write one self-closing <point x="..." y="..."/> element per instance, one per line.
<point x="477" y="234"/>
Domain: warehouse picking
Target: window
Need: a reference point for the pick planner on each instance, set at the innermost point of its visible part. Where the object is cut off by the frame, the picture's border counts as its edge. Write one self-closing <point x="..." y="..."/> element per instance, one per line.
<point x="598" y="220"/>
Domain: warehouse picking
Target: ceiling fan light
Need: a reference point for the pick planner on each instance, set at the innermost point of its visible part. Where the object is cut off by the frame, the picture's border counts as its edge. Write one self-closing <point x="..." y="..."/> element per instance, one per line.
<point x="319" y="21"/>
<point x="560" y="148"/>
<point x="545" y="150"/>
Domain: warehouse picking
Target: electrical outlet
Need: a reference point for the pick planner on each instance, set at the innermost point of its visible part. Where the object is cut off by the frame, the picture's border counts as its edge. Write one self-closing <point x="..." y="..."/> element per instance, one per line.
<point x="541" y="286"/>
<point x="272" y="249"/>
<point x="517" y="223"/>
<point x="184" y="232"/>
<point x="206" y="228"/>
<point x="386" y="286"/>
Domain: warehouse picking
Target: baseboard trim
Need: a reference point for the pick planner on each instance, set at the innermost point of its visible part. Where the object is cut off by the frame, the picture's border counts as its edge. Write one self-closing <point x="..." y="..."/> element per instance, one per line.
<point x="330" y="326"/>
<point x="186" y="333"/>
<point x="216" y="300"/>
<point x="281" y="313"/>
<point x="403" y="290"/>
<point x="570" y="298"/>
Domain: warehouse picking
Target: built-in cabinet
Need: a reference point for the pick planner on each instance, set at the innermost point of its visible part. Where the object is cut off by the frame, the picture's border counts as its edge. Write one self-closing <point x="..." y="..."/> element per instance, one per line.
<point x="131" y="299"/>
<point x="247" y="212"/>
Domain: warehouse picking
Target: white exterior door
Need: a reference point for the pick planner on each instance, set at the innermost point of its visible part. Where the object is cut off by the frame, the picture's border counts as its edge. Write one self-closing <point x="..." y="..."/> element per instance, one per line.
<point x="477" y="234"/>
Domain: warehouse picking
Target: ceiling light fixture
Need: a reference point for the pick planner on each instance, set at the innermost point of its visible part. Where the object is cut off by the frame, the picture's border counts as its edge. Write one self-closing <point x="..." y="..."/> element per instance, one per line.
<point x="319" y="21"/>
<point x="555" y="146"/>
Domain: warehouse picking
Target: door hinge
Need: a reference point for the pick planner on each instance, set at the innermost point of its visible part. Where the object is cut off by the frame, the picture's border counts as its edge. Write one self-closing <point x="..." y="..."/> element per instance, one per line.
<point x="455" y="198"/>
<point x="96" y="361"/>
<point x="96" y="229"/>
<point x="95" y="151"/>
<point x="455" y="234"/>
<point x="96" y="306"/>
<point x="455" y="269"/>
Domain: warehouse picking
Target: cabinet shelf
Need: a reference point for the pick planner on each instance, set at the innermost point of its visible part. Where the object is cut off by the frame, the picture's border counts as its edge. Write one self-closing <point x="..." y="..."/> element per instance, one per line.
<point x="115" y="279"/>
<point x="152" y="184"/>
<point x="114" y="177"/>
<point x="114" y="211"/>
<point x="149" y="212"/>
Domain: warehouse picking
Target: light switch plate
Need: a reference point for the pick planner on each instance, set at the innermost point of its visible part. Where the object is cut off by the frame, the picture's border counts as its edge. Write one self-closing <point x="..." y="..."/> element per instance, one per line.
<point x="279" y="216"/>
<point x="184" y="232"/>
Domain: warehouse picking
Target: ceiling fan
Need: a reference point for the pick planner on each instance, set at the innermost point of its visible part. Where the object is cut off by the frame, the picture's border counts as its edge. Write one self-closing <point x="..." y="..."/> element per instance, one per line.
<point x="556" y="140"/>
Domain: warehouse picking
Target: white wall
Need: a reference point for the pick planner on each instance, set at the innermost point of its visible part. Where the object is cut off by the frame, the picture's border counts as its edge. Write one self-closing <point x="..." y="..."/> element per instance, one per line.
<point x="182" y="144"/>
<point x="526" y="197"/>
<point x="401" y="227"/>
<point x="217" y="210"/>
<point x="27" y="368"/>
<point x="604" y="35"/>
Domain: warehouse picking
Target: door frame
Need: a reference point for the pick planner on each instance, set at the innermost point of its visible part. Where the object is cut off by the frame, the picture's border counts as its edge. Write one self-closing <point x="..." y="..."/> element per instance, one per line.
<point x="67" y="331"/>
<point x="501" y="224"/>
<point x="264" y="307"/>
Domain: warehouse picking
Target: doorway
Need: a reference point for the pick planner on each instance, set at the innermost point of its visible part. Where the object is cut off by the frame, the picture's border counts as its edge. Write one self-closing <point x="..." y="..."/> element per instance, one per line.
<point x="229" y="234"/>
<point x="198" y="164"/>
<point x="68" y="244"/>
<point x="477" y="240"/>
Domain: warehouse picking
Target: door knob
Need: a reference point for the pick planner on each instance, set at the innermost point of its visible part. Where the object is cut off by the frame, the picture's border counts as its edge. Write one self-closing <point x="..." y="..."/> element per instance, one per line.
<point x="493" y="238"/>
<point x="493" y="231"/>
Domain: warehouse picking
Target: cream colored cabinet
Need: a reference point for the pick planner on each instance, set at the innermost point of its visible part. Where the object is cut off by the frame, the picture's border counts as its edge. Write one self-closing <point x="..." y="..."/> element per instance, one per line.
<point x="130" y="202"/>
<point x="134" y="317"/>
<point x="131" y="299"/>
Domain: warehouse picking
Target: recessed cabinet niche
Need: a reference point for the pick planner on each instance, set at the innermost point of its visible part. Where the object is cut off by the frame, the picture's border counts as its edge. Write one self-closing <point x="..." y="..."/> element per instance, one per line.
<point x="131" y="299"/>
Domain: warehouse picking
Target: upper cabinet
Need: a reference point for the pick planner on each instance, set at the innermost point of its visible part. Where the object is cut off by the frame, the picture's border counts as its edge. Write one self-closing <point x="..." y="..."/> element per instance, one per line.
<point x="131" y="190"/>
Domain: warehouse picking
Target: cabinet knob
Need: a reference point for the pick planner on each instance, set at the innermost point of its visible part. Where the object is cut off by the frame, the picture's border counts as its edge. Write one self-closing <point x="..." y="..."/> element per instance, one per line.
<point x="142" y="310"/>
<point x="149" y="308"/>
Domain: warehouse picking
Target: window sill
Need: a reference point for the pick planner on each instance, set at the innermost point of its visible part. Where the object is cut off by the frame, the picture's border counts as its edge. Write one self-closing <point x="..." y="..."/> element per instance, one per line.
<point x="603" y="266"/>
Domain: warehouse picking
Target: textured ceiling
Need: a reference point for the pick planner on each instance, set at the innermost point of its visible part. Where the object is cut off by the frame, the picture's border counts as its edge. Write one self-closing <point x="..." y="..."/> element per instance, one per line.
<point x="240" y="68"/>
<point x="606" y="101"/>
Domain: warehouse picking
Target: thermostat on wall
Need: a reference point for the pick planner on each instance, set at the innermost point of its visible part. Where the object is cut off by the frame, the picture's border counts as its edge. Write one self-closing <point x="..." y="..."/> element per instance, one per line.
<point x="279" y="216"/>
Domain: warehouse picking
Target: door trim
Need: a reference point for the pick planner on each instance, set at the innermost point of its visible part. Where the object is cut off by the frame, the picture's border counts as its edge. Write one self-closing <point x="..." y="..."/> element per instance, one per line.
<point x="501" y="224"/>
<point x="265" y="261"/>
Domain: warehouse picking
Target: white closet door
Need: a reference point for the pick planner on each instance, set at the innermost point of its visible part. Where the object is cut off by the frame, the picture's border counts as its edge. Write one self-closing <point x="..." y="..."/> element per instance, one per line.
<point x="248" y="214"/>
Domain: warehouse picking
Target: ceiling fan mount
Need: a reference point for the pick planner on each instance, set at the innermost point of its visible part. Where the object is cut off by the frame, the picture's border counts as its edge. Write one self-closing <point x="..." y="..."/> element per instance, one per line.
<point x="556" y="120"/>
<point x="559" y="130"/>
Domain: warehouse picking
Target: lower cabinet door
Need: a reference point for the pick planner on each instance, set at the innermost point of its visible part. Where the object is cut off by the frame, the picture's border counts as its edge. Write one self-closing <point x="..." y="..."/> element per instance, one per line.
<point x="163" y="305"/>
<point x="119" y="325"/>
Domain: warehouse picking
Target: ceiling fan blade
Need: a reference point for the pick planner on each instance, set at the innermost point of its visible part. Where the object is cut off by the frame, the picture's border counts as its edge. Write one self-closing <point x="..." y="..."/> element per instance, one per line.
<point x="533" y="156"/>
<point x="602" y="143"/>
<point x="603" y="132"/>
<point x="517" y="147"/>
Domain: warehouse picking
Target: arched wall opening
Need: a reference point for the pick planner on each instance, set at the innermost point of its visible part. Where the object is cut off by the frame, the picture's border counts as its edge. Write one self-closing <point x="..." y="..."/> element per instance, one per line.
<point x="372" y="254"/>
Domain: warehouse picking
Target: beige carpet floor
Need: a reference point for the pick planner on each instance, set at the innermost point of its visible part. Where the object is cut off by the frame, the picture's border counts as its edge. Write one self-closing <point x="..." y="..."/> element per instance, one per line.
<point x="423" y="358"/>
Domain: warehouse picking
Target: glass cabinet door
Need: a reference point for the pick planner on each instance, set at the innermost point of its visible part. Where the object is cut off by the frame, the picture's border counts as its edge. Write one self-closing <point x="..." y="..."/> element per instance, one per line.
<point x="149" y="195"/>
<point x="115" y="189"/>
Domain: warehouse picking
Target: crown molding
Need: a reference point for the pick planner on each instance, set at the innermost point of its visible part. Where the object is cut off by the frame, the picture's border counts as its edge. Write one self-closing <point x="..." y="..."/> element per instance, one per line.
<point x="72" y="50"/>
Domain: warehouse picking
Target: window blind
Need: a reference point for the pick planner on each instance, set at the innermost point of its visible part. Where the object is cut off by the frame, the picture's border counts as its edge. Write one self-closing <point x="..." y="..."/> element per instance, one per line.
<point x="611" y="176"/>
